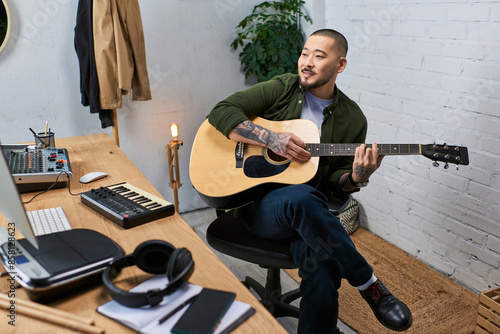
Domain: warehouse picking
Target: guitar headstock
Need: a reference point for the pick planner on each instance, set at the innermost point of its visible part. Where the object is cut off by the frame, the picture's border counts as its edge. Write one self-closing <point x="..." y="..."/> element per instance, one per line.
<point x="446" y="153"/>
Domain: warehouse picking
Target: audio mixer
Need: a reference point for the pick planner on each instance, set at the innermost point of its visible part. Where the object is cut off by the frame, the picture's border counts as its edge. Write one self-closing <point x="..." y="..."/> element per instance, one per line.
<point x="36" y="168"/>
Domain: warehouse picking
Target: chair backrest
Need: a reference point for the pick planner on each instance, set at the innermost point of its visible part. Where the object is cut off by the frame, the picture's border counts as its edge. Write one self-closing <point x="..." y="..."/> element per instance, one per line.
<point x="338" y="204"/>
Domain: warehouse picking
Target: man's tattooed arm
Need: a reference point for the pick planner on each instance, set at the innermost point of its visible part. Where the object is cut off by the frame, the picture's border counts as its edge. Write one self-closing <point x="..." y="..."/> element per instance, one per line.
<point x="251" y="133"/>
<point x="362" y="174"/>
<point x="345" y="184"/>
<point x="366" y="162"/>
<point x="282" y="143"/>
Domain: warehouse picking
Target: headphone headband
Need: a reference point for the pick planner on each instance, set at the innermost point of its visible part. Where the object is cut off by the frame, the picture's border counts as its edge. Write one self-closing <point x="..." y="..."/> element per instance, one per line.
<point x="155" y="257"/>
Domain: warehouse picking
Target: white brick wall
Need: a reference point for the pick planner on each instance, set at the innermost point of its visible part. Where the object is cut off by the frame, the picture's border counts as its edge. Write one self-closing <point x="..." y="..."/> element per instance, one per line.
<point x="427" y="72"/>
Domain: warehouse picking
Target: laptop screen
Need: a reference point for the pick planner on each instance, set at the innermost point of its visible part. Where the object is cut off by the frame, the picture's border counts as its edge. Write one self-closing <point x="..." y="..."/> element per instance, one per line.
<point x="11" y="206"/>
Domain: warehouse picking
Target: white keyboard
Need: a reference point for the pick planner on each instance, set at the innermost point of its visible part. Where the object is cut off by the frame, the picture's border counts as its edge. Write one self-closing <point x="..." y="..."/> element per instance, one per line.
<point x="47" y="221"/>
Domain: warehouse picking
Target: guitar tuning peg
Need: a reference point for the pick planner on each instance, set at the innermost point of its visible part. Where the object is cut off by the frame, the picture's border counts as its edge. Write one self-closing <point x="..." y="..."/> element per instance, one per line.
<point x="435" y="164"/>
<point x="446" y="166"/>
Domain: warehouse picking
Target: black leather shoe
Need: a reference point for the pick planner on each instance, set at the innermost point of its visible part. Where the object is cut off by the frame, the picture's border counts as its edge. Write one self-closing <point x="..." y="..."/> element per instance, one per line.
<point x="390" y="311"/>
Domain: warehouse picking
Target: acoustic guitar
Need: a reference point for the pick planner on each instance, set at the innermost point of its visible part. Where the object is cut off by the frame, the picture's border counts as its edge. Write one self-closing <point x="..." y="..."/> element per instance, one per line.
<point x="228" y="174"/>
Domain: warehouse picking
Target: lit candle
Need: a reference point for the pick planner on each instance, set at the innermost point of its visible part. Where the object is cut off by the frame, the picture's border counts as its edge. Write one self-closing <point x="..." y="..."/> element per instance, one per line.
<point x="174" y="130"/>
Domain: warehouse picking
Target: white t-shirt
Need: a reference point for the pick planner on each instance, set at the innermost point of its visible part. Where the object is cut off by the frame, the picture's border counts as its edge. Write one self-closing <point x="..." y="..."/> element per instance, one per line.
<point x="313" y="108"/>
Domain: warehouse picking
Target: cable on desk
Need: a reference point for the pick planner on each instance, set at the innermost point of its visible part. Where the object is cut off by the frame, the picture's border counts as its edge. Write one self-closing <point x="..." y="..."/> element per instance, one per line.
<point x="53" y="184"/>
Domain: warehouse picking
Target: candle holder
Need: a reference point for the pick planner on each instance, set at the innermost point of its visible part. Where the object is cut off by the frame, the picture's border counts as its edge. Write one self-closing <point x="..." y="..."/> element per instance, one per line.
<point x="173" y="163"/>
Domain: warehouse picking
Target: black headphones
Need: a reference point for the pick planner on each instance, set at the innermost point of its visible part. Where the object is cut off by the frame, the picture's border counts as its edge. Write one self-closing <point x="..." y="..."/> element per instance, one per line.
<point x="154" y="257"/>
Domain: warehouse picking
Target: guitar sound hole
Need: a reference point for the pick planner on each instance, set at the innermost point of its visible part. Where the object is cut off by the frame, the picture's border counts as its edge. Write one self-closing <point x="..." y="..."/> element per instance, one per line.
<point x="257" y="166"/>
<point x="276" y="158"/>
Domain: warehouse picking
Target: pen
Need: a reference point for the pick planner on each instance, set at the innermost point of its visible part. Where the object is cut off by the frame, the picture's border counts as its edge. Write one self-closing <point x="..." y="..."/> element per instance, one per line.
<point x="40" y="139"/>
<point x="33" y="131"/>
<point x="177" y="309"/>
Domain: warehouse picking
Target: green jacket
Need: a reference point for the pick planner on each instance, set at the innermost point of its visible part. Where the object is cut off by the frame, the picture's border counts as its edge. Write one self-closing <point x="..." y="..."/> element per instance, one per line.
<point x="281" y="98"/>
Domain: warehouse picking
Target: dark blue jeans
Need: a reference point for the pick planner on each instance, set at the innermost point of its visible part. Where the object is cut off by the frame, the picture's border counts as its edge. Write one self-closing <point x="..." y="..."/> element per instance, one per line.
<point x="320" y="246"/>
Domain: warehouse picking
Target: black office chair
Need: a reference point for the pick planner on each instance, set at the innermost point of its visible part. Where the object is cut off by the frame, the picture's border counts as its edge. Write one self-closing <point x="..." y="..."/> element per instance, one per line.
<point x="228" y="235"/>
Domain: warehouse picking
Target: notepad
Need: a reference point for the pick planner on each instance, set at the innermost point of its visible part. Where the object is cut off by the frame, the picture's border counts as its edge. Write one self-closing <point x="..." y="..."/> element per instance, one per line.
<point x="145" y="319"/>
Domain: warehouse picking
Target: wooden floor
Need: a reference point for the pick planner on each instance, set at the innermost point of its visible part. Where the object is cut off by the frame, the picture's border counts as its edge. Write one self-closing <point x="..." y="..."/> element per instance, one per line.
<point x="200" y="220"/>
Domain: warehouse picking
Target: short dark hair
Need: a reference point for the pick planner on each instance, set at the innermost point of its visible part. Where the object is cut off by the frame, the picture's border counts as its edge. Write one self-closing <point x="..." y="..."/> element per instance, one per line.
<point x="340" y="40"/>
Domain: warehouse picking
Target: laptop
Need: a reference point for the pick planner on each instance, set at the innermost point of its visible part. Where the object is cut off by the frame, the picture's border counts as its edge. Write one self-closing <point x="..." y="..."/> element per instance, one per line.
<point x="11" y="206"/>
<point x="52" y="265"/>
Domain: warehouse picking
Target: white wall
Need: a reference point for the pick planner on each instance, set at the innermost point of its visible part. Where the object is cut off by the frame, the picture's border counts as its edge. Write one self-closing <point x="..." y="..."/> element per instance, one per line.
<point x="191" y="67"/>
<point x="427" y="72"/>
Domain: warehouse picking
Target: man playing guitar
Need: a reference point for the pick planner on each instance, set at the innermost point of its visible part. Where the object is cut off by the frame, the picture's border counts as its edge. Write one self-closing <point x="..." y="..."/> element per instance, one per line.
<point x="321" y="248"/>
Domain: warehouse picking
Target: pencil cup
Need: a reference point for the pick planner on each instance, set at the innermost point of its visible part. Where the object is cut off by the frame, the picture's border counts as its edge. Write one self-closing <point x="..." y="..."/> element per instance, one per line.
<point x="43" y="140"/>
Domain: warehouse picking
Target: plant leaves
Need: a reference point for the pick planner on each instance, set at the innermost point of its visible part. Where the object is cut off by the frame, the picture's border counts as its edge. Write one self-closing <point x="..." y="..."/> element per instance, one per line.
<point x="271" y="38"/>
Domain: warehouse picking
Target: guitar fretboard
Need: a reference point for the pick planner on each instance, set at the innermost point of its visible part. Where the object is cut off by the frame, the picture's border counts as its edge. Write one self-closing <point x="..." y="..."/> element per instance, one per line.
<point x="349" y="149"/>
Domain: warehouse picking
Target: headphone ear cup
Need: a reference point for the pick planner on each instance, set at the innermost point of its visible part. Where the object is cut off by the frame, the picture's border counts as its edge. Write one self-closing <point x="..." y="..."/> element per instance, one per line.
<point x="180" y="263"/>
<point x="153" y="256"/>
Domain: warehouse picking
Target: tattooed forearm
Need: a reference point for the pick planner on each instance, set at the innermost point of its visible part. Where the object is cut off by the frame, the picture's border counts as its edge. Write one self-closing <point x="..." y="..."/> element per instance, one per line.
<point x="277" y="142"/>
<point x="253" y="132"/>
<point x="362" y="172"/>
<point x="285" y="144"/>
<point x="345" y="184"/>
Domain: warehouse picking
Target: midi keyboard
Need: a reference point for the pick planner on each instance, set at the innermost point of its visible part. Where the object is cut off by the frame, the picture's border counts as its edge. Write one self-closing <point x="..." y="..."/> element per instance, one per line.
<point x="127" y="205"/>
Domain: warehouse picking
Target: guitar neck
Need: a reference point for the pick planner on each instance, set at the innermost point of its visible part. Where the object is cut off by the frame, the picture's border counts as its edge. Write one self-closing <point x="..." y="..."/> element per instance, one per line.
<point x="349" y="149"/>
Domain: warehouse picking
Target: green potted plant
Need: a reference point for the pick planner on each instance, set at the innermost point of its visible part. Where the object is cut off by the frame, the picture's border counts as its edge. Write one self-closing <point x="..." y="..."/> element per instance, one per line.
<point x="272" y="38"/>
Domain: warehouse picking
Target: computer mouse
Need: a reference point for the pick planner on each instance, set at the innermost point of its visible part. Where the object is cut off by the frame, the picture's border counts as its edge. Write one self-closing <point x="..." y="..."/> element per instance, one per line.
<point x="92" y="176"/>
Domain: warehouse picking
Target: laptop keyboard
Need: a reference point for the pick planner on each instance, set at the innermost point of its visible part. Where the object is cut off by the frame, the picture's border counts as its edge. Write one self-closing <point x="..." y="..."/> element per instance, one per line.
<point x="47" y="221"/>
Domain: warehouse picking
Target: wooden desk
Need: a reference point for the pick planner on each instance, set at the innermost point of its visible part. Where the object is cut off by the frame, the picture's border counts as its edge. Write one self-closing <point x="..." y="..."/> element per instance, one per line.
<point x="99" y="153"/>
